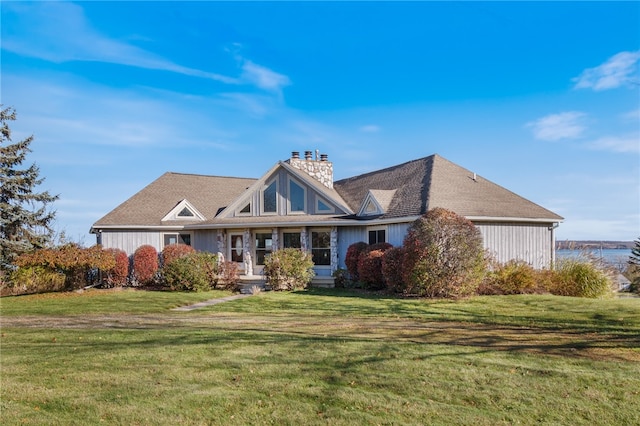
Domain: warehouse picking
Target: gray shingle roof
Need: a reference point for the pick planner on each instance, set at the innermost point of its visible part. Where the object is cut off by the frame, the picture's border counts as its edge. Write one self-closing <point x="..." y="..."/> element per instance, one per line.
<point x="432" y="182"/>
<point x="408" y="189"/>
<point x="208" y="194"/>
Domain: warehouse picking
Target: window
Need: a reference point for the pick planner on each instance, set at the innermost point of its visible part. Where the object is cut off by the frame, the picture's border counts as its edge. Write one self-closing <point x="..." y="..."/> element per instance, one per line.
<point x="371" y="208"/>
<point x="264" y="245"/>
<point x="323" y="207"/>
<point x="177" y="239"/>
<point x="321" y="247"/>
<point x="269" y="198"/>
<point x="246" y="209"/>
<point x="377" y="236"/>
<point x="185" y="213"/>
<point x="297" y="197"/>
<point x="237" y="248"/>
<point x="291" y="240"/>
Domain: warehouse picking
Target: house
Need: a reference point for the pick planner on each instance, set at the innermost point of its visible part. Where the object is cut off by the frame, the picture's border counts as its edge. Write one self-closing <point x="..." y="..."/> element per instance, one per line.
<point x="297" y="204"/>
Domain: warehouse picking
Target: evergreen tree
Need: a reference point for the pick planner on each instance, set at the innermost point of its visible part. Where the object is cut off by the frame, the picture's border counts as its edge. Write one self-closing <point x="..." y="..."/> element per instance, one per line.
<point x="25" y="220"/>
<point x="634" y="259"/>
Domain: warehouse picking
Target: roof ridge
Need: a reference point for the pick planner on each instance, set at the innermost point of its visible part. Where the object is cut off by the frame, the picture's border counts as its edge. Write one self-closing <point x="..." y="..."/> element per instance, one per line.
<point x="203" y="175"/>
<point x="390" y="167"/>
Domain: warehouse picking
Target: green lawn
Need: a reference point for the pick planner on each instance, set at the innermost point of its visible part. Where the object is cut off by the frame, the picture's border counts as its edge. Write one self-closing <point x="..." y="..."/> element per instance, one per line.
<point x="318" y="357"/>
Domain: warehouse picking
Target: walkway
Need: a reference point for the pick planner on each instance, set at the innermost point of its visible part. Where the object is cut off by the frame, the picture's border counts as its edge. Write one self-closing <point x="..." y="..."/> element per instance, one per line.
<point x="211" y="302"/>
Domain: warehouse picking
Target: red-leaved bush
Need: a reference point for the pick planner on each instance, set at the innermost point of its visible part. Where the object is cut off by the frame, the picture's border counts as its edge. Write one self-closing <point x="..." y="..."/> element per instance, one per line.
<point x="370" y="269"/>
<point x="392" y="269"/>
<point x="117" y="276"/>
<point x="444" y="255"/>
<point x="145" y="264"/>
<point x="175" y="251"/>
<point x="353" y="256"/>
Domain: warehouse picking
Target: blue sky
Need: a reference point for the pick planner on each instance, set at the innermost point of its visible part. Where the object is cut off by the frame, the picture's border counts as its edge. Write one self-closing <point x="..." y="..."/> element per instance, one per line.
<point x="542" y="98"/>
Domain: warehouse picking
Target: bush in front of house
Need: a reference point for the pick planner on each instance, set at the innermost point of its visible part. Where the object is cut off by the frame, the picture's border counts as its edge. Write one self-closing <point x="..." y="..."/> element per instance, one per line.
<point x="370" y="266"/>
<point x="444" y="255"/>
<point x="191" y="272"/>
<point x="515" y="277"/>
<point x="288" y="269"/>
<point x="580" y="278"/>
<point x="353" y="257"/>
<point x="392" y="269"/>
<point x="370" y="270"/>
<point x="33" y="279"/>
<point x="228" y="275"/>
<point x="117" y="276"/>
<point x="79" y="265"/>
<point x="174" y="251"/>
<point x="145" y="265"/>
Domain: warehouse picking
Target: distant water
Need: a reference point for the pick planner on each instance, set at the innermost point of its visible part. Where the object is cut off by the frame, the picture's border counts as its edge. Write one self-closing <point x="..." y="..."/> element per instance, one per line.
<point x="614" y="257"/>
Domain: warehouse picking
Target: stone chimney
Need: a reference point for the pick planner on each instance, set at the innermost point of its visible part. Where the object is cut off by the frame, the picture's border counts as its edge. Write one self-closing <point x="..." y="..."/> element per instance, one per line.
<point x="321" y="169"/>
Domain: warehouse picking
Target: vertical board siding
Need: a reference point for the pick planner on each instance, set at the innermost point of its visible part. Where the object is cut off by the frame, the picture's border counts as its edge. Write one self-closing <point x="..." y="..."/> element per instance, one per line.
<point x="205" y="240"/>
<point x="130" y="241"/>
<point x="396" y="233"/>
<point x="528" y="242"/>
<point x="348" y="235"/>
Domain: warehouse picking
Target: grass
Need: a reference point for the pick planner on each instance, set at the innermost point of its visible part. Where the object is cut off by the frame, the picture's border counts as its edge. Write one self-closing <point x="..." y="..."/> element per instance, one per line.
<point x="318" y="357"/>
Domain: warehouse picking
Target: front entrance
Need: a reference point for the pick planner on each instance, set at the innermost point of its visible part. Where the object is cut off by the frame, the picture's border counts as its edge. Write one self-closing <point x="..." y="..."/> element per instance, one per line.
<point x="236" y="248"/>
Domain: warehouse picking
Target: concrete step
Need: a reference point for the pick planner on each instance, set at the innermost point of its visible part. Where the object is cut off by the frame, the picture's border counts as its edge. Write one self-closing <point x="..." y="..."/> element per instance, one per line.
<point x="323" y="282"/>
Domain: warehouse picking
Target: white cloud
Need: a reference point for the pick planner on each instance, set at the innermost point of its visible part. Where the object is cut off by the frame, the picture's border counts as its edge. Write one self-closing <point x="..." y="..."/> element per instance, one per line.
<point x="565" y="125"/>
<point x="263" y="78"/>
<point x="615" y="72"/>
<point x="632" y="116"/>
<point x="627" y="143"/>
<point x="60" y="32"/>
<point x="370" y="128"/>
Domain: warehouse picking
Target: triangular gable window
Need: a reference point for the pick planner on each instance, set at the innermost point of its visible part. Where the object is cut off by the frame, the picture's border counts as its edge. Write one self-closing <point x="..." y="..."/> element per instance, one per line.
<point x="370" y="207"/>
<point x="323" y="206"/>
<point x="184" y="210"/>
<point x="185" y="213"/>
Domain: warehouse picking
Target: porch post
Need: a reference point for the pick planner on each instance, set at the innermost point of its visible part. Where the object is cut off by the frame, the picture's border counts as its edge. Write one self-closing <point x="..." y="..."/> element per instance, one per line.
<point x="304" y="239"/>
<point x="248" y="262"/>
<point x="221" y="238"/>
<point x="275" y="243"/>
<point x="334" y="249"/>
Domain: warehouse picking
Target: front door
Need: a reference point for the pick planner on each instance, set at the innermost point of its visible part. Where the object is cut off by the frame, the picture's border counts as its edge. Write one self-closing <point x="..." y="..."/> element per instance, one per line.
<point x="236" y="249"/>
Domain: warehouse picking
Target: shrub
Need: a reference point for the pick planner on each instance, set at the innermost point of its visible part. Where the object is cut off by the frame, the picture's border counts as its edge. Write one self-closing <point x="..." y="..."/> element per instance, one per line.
<point x="174" y="251"/>
<point x="340" y="278"/>
<point x="117" y="276"/>
<point x="191" y="272"/>
<point x="33" y="279"/>
<point x="370" y="266"/>
<point x="444" y="256"/>
<point x="78" y="264"/>
<point x="392" y="269"/>
<point x="513" y="277"/>
<point x="288" y="269"/>
<point x="370" y="269"/>
<point x="228" y="277"/>
<point x="580" y="278"/>
<point x="145" y="264"/>
<point x="353" y="256"/>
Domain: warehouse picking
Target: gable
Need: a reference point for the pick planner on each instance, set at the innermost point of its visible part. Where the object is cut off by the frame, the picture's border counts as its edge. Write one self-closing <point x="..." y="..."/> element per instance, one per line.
<point x="286" y="191"/>
<point x="377" y="202"/>
<point x="184" y="210"/>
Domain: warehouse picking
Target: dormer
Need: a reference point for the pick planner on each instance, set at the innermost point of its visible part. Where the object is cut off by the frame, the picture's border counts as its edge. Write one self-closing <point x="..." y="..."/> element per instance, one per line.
<point x="376" y="202"/>
<point x="184" y="211"/>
